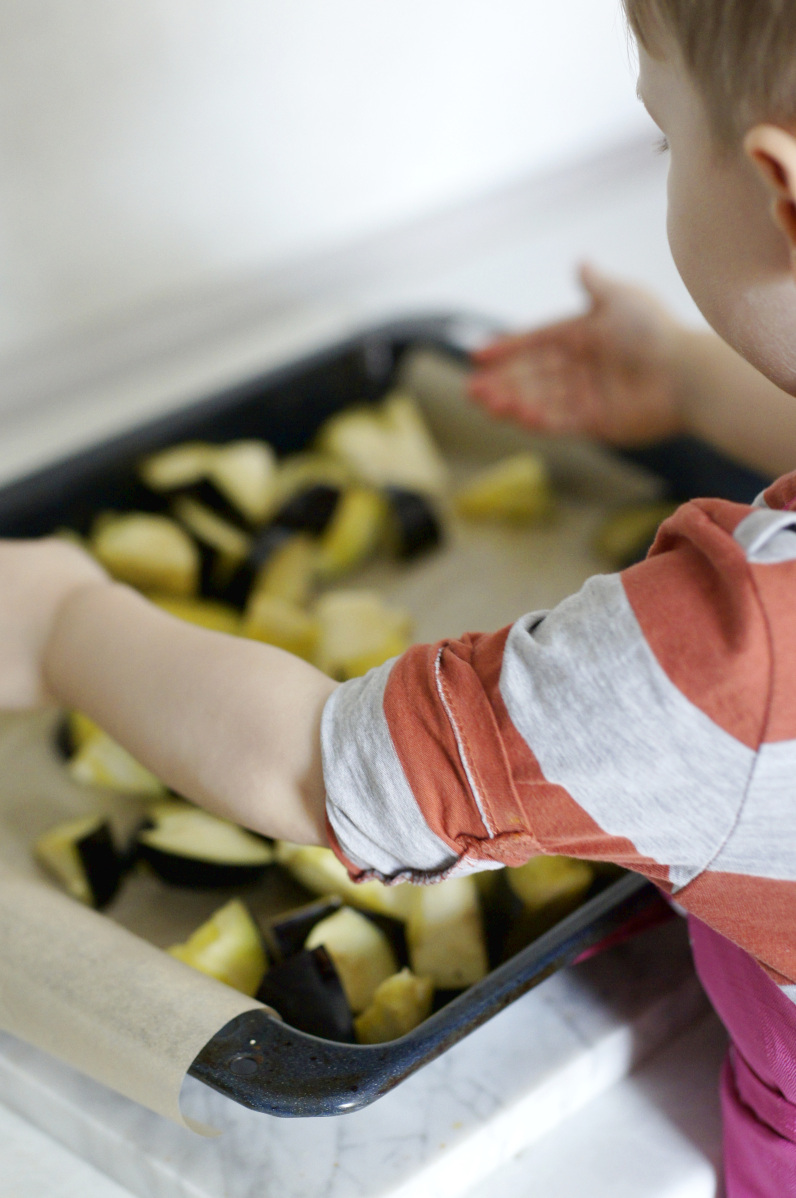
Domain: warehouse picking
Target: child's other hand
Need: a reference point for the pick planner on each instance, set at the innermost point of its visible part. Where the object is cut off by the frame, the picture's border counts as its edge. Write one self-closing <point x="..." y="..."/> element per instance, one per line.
<point x="611" y="374"/>
<point x="36" y="578"/>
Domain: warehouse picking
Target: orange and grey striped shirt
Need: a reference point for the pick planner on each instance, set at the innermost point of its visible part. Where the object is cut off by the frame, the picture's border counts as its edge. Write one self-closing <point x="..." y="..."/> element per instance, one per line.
<point x="648" y="720"/>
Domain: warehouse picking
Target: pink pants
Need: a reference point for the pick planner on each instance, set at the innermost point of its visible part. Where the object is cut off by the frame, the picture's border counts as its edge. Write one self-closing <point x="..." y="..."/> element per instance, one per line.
<point x="758" y="1085"/>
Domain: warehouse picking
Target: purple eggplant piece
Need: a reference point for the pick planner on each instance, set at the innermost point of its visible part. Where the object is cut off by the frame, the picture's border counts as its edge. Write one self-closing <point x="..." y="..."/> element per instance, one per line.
<point x="307" y="992"/>
<point x="285" y="934"/>
<point x="102" y="864"/>
<point x="416" y="526"/>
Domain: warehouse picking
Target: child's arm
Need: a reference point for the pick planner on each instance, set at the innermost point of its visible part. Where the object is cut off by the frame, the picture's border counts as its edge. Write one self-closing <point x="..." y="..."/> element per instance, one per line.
<point x="627" y="373"/>
<point x="231" y="723"/>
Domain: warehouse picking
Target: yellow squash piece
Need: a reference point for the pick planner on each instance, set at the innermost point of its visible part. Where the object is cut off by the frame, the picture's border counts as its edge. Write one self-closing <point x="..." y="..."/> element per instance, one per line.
<point x="360" y="951"/>
<point x="515" y="490"/>
<point x="276" y="621"/>
<point x="445" y="935"/>
<point x="320" y="871"/>
<point x="149" y="552"/>
<point x="357" y="631"/>
<point x="227" y="947"/>
<point x="57" y="852"/>
<point x="400" y="1003"/>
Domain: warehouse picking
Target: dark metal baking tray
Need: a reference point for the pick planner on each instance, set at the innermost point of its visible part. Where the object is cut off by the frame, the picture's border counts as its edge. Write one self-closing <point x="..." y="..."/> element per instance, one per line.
<point x="257" y="1060"/>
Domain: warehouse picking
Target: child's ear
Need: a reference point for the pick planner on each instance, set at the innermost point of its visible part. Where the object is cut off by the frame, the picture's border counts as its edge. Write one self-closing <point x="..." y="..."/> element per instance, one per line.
<point x="772" y="151"/>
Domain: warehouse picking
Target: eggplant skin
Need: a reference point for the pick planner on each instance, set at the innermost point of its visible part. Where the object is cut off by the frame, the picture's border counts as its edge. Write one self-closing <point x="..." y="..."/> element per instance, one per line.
<point x="309" y="510"/>
<point x="307" y="992"/>
<point x="201" y="875"/>
<point x="285" y="934"/>
<point x="82" y="856"/>
<point x="416" y="528"/>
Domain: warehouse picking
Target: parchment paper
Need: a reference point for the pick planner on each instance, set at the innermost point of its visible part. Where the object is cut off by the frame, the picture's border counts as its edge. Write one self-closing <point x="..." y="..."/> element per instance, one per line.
<point x="95" y="989"/>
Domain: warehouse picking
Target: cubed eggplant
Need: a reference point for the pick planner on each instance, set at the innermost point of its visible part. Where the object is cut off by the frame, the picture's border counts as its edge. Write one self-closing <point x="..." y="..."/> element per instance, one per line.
<point x="285" y="934"/>
<point x="354" y="533"/>
<point x="361" y="952"/>
<point x="189" y="847"/>
<point x="415" y="526"/>
<point x="237" y="477"/>
<point x="320" y="871"/>
<point x="399" y="1004"/>
<point x="547" y="889"/>
<point x="276" y="621"/>
<point x="515" y="490"/>
<point x="306" y="991"/>
<point x="445" y="934"/>
<point x="150" y="552"/>
<point x="358" y="631"/>
<point x="309" y="510"/>
<point x="102" y="761"/>
<point x="82" y="856"/>
<point x="228" y="947"/>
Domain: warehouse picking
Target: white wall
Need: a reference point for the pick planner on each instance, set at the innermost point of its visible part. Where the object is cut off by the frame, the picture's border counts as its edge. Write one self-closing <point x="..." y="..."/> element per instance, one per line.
<point x="156" y="147"/>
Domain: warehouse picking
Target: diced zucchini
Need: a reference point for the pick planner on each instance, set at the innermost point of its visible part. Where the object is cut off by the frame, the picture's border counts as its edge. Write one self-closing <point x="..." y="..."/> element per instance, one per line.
<point x="358" y="631"/>
<point x="81" y="854"/>
<point x="445" y="934"/>
<point x="399" y="1004"/>
<point x="228" y="946"/>
<point x="354" y="532"/>
<point x="147" y="551"/>
<point x="361" y="952"/>
<point x="101" y="761"/>
<point x="285" y="934"/>
<point x="515" y="490"/>
<point x="387" y="445"/>
<point x="274" y="620"/>
<point x="320" y="871"/>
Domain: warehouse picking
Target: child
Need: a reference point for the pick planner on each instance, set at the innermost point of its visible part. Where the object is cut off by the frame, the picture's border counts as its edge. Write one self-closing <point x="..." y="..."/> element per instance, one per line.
<point x="649" y="719"/>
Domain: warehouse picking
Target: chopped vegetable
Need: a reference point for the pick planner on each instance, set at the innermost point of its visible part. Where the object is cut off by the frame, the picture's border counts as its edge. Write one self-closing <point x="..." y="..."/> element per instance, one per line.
<point x="387" y="445"/>
<point x="285" y="934"/>
<point x="415" y="527"/>
<point x="228" y="946"/>
<point x="308" y="994"/>
<point x="358" y="631"/>
<point x="207" y="613"/>
<point x="626" y="536"/>
<point x="147" y="551"/>
<point x="289" y="570"/>
<point x="101" y="761"/>
<point x="245" y="472"/>
<point x="354" y="532"/>
<point x="399" y="1004"/>
<point x="445" y="935"/>
<point x="190" y="847"/>
<point x="81" y="854"/>
<point x="177" y="467"/>
<point x="361" y="952"/>
<point x="309" y="510"/>
<point x="276" y="621"/>
<point x="515" y="490"/>
<point x="320" y="871"/>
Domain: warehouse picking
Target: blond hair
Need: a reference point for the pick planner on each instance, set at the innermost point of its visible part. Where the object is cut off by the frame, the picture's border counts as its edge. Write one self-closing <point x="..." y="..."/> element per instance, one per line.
<point x="740" y="53"/>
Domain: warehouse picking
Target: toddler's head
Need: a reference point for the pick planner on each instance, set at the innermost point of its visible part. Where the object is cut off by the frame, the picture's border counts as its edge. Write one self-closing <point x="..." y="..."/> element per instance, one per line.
<point x="719" y="78"/>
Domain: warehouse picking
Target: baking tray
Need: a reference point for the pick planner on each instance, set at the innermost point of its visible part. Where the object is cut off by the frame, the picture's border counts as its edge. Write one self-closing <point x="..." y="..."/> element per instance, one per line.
<point x="256" y="1059"/>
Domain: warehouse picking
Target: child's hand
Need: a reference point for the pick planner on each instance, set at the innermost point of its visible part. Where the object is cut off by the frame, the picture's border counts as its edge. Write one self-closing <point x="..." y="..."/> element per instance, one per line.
<point x="611" y="374"/>
<point x="36" y="578"/>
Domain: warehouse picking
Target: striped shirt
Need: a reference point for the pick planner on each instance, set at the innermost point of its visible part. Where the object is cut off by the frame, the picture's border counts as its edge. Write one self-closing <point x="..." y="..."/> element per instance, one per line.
<point x="648" y="720"/>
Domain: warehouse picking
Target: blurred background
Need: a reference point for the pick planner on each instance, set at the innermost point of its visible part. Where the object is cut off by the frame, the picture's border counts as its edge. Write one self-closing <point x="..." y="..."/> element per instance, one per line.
<point x="174" y="172"/>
